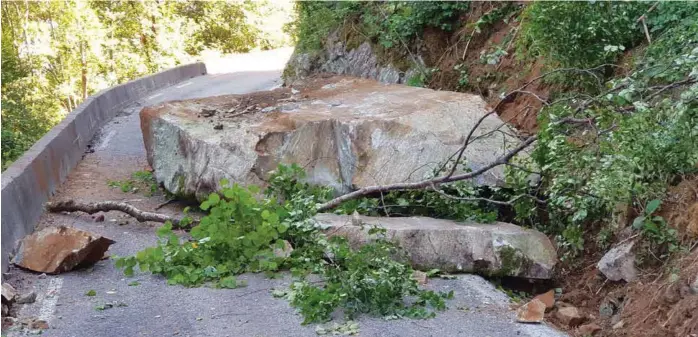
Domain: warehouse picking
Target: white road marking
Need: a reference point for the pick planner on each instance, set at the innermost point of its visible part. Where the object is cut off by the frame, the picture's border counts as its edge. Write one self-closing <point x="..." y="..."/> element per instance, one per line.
<point x="48" y="305"/>
<point x="156" y="95"/>
<point x="183" y="84"/>
<point x="106" y="140"/>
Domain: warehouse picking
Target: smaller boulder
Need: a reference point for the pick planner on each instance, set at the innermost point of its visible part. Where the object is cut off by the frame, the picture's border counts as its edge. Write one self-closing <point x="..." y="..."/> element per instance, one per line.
<point x="54" y="250"/>
<point x="569" y="316"/>
<point x="420" y="276"/>
<point x="548" y="298"/>
<point x="694" y="286"/>
<point x="619" y="263"/>
<point x="588" y="329"/>
<point x="8" y="293"/>
<point x="531" y="312"/>
<point x="27" y="298"/>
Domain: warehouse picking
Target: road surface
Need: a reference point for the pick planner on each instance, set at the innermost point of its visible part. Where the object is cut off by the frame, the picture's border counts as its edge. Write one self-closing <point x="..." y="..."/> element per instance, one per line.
<point x="153" y="308"/>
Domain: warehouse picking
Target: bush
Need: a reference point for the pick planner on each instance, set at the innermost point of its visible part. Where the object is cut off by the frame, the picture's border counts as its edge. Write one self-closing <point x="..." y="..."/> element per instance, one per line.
<point x="580" y="34"/>
<point x="242" y="231"/>
<point x="385" y="23"/>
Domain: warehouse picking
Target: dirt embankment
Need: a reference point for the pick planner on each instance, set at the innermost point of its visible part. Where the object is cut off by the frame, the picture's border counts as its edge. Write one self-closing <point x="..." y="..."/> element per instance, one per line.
<point x="482" y="58"/>
<point x="661" y="303"/>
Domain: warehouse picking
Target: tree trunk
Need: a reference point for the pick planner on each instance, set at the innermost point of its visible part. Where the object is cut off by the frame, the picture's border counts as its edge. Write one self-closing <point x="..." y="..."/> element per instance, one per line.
<point x="83" y="68"/>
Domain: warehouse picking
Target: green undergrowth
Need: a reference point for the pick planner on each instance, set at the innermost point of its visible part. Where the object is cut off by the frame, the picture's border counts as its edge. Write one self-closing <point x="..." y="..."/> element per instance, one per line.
<point x="387" y="24"/>
<point x="140" y="181"/>
<point x="634" y="140"/>
<point x="244" y="232"/>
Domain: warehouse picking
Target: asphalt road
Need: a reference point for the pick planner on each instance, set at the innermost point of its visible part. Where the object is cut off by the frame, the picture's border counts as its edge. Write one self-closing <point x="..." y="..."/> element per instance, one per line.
<point x="153" y="308"/>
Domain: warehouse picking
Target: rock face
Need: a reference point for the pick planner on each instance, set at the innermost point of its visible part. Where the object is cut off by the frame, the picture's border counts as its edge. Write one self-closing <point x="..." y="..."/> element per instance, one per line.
<point x="55" y="250"/>
<point x="346" y="132"/>
<point x="619" y="263"/>
<point x="338" y="58"/>
<point x="489" y="249"/>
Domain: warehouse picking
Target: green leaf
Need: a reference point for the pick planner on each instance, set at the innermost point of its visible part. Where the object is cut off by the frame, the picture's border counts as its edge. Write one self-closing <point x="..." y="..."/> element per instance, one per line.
<point x="433" y="272"/>
<point x="91" y="293"/>
<point x="638" y="222"/>
<point x="652" y="206"/>
<point x="214" y="199"/>
<point x="229" y="282"/>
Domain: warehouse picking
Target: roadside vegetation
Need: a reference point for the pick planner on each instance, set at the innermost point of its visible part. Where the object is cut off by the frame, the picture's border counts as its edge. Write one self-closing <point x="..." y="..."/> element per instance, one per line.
<point x="55" y="54"/>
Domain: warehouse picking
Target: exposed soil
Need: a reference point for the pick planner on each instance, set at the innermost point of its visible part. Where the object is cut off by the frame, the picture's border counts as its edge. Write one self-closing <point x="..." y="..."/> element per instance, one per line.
<point x="660" y="303"/>
<point x="461" y="57"/>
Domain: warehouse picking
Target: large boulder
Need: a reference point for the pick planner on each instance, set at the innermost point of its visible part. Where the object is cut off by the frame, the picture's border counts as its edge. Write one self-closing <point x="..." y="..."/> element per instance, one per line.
<point x="500" y="249"/>
<point x="346" y="132"/>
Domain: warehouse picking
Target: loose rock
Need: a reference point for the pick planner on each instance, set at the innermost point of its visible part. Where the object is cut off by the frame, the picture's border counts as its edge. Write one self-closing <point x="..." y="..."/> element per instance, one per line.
<point x="450" y="246"/>
<point x="694" y="286"/>
<point x="55" y="250"/>
<point x="99" y="217"/>
<point x="8" y="293"/>
<point x="531" y="312"/>
<point x="618" y="325"/>
<point x="284" y="252"/>
<point x="548" y="298"/>
<point x="27" y="298"/>
<point x="588" y="329"/>
<point x="569" y="316"/>
<point x="420" y="277"/>
<point x="619" y="263"/>
<point x="38" y="324"/>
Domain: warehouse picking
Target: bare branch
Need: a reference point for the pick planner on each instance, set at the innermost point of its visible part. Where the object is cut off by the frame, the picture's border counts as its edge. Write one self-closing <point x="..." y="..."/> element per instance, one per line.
<point x="496" y="202"/>
<point x="106" y="206"/>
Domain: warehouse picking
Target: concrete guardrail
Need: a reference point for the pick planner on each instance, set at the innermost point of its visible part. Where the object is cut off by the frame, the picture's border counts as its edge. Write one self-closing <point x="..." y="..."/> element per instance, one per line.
<point x="31" y="180"/>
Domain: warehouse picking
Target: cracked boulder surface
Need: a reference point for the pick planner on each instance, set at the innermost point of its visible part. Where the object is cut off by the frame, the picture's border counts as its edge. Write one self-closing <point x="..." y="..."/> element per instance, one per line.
<point x="497" y="249"/>
<point x="347" y="133"/>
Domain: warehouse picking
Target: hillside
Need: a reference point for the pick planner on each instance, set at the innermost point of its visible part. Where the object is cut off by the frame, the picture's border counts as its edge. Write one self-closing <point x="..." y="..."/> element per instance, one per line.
<point x="608" y="89"/>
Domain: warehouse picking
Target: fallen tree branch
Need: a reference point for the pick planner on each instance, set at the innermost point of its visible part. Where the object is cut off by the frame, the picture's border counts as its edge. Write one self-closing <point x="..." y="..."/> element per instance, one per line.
<point x="426" y="183"/>
<point x="492" y="201"/>
<point x="106" y="206"/>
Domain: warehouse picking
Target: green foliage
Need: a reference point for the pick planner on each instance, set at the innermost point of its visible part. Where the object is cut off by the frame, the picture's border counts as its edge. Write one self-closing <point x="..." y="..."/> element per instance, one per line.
<point x="241" y="232"/>
<point x="655" y="229"/>
<point x="387" y="23"/>
<point x="56" y="53"/>
<point x="577" y="34"/>
<point x="421" y="78"/>
<point x="365" y="281"/>
<point x="426" y="203"/>
<point x="139" y="180"/>
<point x="641" y="134"/>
